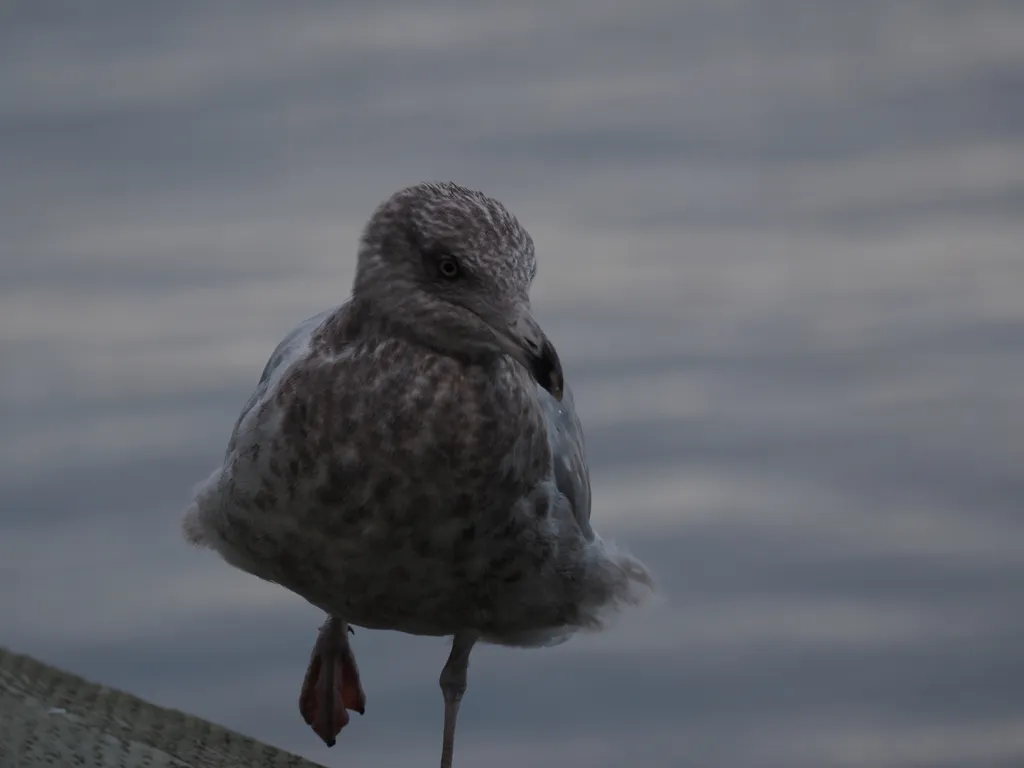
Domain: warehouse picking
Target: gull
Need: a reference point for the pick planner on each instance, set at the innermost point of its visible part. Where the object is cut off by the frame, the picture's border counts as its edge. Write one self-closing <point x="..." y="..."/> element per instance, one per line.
<point x="412" y="460"/>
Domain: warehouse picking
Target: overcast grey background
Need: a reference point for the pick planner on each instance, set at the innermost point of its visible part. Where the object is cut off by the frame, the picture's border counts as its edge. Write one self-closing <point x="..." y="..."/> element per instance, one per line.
<point x="781" y="253"/>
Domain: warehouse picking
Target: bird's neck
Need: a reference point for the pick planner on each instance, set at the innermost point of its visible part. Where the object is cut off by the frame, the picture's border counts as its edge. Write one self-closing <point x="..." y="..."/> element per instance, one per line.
<point x="364" y="318"/>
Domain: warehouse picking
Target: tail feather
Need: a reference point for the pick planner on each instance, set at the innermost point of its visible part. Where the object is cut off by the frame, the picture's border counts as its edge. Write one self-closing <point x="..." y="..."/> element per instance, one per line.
<point x="193" y="524"/>
<point x="622" y="581"/>
<point x="605" y="581"/>
<point x="192" y="527"/>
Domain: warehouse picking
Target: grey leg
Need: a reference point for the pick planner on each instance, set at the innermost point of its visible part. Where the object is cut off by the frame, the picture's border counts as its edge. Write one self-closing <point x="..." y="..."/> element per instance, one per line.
<point x="453" y="686"/>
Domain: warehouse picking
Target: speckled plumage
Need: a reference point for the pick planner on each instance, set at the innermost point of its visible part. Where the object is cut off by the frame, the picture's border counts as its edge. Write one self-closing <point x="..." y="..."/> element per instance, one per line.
<point x="400" y="467"/>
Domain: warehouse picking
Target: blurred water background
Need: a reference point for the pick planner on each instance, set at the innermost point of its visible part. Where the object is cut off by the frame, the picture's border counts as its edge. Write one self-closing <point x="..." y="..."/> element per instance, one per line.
<point x="781" y="249"/>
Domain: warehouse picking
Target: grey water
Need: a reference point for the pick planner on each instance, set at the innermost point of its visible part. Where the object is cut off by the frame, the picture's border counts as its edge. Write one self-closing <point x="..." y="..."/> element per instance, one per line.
<point x="781" y="249"/>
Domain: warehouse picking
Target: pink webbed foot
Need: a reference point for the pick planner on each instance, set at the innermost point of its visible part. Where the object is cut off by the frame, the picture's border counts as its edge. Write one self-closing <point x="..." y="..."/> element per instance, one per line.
<point x="331" y="686"/>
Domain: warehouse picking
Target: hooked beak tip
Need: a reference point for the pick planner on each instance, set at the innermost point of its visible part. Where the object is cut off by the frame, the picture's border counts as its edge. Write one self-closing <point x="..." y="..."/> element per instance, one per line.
<point x="547" y="370"/>
<point x="527" y="343"/>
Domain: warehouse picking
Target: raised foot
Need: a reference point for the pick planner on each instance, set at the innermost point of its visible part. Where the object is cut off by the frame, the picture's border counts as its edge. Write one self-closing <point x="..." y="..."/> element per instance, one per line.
<point x="331" y="686"/>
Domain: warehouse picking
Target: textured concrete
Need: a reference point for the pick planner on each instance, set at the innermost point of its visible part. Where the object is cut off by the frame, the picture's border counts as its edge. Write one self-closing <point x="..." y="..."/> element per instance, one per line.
<point x="52" y="718"/>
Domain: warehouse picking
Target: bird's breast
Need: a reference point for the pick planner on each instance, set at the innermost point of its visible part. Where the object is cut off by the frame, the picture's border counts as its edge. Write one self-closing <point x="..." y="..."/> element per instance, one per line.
<point x="389" y="483"/>
<point x="394" y="435"/>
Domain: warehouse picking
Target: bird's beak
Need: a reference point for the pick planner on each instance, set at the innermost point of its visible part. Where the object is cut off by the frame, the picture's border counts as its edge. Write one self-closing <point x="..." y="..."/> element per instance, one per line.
<point x="528" y="344"/>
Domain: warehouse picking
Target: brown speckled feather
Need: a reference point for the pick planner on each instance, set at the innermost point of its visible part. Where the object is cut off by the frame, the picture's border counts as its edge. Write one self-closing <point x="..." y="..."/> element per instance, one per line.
<point x="398" y="468"/>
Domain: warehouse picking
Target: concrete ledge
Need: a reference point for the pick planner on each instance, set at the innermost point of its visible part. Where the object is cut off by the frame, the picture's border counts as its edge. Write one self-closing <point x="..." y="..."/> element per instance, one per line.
<point x="52" y="718"/>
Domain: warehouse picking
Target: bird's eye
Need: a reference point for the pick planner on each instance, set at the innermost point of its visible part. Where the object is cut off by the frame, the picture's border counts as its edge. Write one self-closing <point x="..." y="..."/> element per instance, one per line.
<point x="449" y="267"/>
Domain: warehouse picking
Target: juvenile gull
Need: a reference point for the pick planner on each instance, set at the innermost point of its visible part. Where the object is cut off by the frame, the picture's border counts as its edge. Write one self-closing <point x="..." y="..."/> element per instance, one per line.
<point x="411" y="460"/>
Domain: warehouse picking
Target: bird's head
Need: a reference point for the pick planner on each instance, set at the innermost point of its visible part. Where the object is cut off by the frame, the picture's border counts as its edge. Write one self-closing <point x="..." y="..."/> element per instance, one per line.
<point x="451" y="269"/>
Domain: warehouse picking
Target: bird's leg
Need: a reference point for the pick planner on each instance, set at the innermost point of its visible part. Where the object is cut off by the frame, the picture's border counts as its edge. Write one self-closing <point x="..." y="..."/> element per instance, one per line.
<point x="453" y="686"/>
<point x="332" y="683"/>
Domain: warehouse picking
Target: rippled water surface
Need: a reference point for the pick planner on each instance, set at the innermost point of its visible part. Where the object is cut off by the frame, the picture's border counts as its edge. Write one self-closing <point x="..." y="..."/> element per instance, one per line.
<point x="781" y="253"/>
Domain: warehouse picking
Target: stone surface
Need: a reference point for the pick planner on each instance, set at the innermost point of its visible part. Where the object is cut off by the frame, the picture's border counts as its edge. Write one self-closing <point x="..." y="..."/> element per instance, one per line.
<point x="52" y="718"/>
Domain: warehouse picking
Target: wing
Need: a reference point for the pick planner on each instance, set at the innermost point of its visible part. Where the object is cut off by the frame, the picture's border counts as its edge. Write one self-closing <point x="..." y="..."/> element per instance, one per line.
<point x="565" y="436"/>
<point x="285" y="353"/>
<point x="208" y="496"/>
